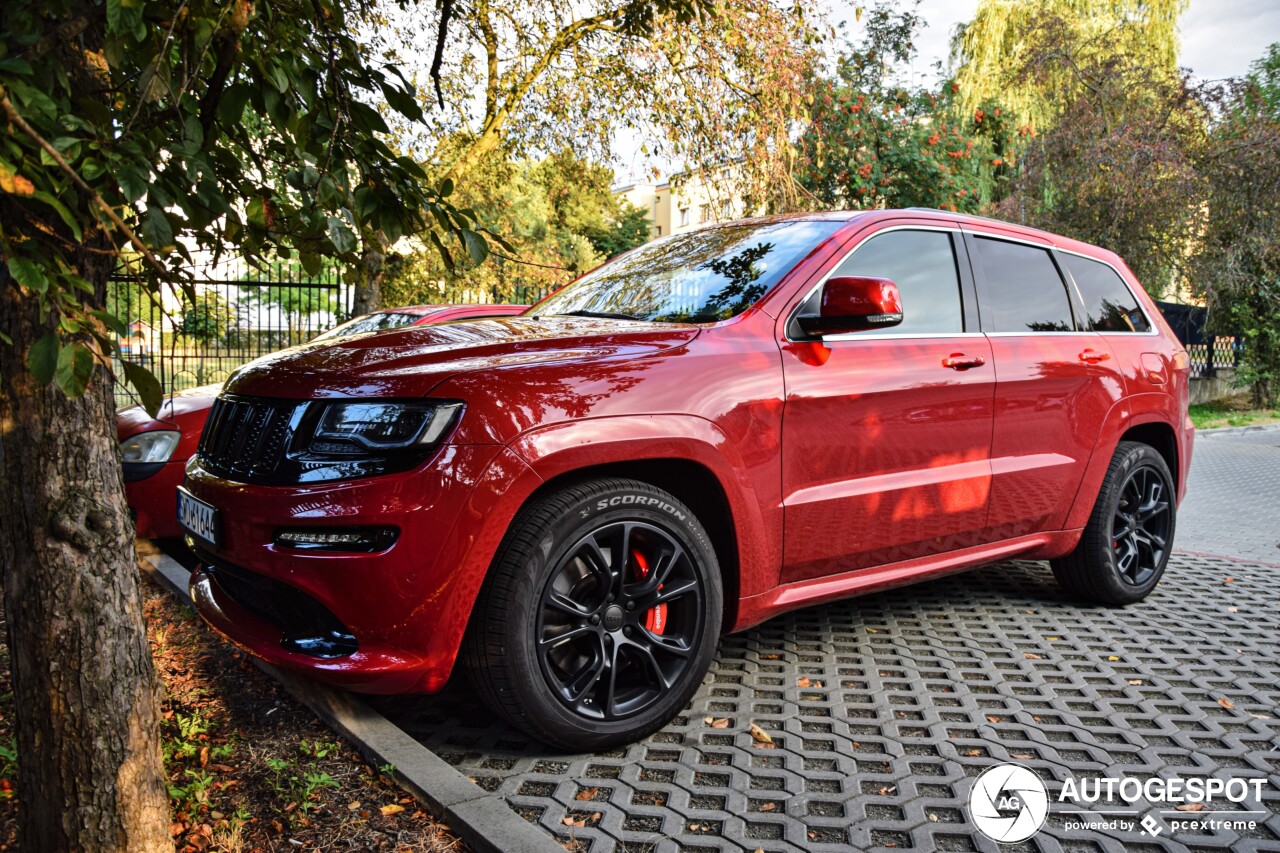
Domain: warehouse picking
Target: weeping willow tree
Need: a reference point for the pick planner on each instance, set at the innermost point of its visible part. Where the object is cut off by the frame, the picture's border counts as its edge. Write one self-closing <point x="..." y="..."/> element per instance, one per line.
<point x="1000" y="61"/>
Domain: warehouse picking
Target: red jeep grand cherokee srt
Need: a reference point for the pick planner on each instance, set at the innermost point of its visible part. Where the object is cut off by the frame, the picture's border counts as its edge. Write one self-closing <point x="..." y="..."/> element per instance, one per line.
<point x="703" y="433"/>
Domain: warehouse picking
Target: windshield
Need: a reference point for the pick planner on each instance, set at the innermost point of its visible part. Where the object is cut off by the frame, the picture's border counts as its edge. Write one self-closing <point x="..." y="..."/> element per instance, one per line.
<point x="369" y="323"/>
<point x="699" y="277"/>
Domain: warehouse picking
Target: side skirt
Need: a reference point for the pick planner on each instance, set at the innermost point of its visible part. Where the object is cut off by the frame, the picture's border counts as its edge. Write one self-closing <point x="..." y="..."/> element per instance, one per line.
<point x="757" y="608"/>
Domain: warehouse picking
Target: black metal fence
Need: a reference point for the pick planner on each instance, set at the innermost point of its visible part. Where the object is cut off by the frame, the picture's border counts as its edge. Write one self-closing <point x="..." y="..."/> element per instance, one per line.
<point x="241" y="312"/>
<point x="1208" y="352"/>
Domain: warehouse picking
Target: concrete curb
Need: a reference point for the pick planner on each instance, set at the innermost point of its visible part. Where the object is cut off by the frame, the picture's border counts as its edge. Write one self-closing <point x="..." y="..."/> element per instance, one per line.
<point x="1209" y="433"/>
<point x="482" y="819"/>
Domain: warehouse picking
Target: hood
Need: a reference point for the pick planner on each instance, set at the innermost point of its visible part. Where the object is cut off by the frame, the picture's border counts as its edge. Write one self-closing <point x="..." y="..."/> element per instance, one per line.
<point x="173" y="414"/>
<point x="410" y="361"/>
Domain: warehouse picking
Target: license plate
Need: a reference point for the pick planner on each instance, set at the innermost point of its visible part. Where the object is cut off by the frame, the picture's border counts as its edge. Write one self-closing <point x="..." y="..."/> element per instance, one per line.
<point x="197" y="517"/>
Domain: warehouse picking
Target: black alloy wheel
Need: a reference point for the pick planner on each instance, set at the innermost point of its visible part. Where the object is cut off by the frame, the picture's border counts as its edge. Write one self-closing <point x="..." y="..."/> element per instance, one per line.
<point x="1125" y="546"/>
<point x="599" y="616"/>
<point x="619" y="619"/>
<point x="1141" y="525"/>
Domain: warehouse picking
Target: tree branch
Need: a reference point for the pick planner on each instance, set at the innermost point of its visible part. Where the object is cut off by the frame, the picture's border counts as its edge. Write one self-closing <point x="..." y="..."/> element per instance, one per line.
<point x="30" y="131"/>
<point x="442" y="34"/>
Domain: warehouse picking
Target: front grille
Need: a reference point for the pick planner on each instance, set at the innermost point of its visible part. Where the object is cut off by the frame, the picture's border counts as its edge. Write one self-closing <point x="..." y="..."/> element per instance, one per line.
<point x="245" y="438"/>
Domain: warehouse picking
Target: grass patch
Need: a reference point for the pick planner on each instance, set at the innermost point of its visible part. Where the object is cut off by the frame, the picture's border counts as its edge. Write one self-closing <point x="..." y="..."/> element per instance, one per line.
<point x="1231" y="412"/>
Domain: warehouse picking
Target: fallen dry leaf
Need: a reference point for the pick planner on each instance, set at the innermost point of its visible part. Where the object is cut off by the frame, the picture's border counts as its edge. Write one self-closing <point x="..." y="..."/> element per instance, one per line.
<point x="1022" y="756"/>
<point x="760" y="734"/>
<point x="1226" y="703"/>
<point x="390" y="809"/>
<point x="1031" y="656"/>
<point x="803" y="681"/>
<point x="204" y="756"/>
<point x="352" y="806"/>
<point x="1190" y="807"/>
<point x="722" y="723"/>
<point x="993" y="719"/>
<point x="1112" y="657"/>
<point x="587" y="794"/>
<point x="768" y="807"/>
<point x="973" y="753"/>
<point x="1228" y="580"/>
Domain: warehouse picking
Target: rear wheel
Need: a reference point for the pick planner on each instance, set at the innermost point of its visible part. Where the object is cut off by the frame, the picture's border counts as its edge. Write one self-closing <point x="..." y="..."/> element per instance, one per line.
<point x="1126" y="544"/>
<point x="600" y="615"/>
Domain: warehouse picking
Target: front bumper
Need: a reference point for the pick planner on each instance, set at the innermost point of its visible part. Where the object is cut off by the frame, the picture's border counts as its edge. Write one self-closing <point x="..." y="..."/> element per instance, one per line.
<point x="154" y="501"/>
<point x="403" y="609"/>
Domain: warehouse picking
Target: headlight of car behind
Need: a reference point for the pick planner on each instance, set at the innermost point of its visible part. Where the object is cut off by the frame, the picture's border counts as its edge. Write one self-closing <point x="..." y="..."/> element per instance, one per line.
<point x="149" y="447"/>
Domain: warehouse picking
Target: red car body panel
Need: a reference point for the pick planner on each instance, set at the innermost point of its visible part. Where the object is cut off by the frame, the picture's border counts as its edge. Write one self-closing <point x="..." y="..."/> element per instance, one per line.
<point x="844" y="468"/>
<point x="154" y="498"/>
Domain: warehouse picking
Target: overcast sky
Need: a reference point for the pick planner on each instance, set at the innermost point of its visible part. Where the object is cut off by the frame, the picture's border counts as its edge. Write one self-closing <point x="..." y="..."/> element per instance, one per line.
<point x="1219" y="39"/>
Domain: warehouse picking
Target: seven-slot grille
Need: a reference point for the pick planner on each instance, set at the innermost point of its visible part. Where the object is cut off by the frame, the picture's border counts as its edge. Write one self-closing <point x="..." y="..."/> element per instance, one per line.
<point x="245" y="438"/>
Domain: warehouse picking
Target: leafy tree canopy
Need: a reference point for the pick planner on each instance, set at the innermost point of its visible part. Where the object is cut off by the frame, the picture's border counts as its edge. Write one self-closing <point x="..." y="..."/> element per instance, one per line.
<point x="530" y="79"/>
<point x="872" y="142"/>
<point x="998" y="63"/>
<point x="557" y="215"/>
<point x="170" y="127"/>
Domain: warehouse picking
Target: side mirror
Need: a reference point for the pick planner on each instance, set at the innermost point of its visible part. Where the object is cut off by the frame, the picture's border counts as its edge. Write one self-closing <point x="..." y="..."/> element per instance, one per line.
<point x="854" y="303"/>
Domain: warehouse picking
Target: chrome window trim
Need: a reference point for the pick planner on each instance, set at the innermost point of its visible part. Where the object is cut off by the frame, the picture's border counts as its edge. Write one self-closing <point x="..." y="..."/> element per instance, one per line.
<point x="878" y="336"/>
<point x="959" y="228"/>
<point x="1152" y="329"/>
<point x="900" y="336"/>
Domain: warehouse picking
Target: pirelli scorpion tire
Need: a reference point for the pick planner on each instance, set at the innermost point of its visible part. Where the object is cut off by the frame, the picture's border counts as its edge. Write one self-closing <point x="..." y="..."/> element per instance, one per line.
<point x="599" y="617"/>
<point x="1127" y="541"/>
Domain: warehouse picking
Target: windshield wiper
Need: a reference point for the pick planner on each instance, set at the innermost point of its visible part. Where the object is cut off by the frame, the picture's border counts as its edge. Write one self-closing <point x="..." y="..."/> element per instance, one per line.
<point x="606" y="315"/>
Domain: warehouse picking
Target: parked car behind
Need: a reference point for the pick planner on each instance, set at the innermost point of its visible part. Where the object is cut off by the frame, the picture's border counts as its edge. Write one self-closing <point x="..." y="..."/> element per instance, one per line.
<point x="703" y="433"/>
<point x="155" y="450"/>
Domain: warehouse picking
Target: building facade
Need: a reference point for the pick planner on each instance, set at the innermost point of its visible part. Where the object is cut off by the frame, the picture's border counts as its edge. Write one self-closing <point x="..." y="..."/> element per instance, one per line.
<point x="686" y="201"/>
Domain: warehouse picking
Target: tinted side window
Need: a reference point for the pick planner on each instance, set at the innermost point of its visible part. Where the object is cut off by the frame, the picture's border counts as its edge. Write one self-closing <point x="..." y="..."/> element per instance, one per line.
<point x="1108" y="303"/>
<point x="1024" y="290"/>
<point x="923" y="265"/>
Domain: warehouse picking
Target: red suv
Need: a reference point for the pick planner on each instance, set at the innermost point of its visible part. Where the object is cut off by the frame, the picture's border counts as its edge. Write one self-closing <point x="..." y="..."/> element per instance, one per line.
<point x="705" y="432"/>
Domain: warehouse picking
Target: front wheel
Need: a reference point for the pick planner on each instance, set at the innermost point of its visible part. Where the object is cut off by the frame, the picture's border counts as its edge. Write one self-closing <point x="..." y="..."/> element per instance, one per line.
<point x="1126" y="544"/>
<point x="600" y="615"/>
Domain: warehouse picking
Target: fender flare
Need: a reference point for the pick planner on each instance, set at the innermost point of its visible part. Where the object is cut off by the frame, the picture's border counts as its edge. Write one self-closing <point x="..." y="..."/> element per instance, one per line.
<point x="1125" y="414"/>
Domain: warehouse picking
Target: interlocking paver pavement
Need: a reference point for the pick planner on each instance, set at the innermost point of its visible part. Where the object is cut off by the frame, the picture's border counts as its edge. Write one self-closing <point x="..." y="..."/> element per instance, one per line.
<point x="1233" y="498"/>
<point x="911" y="693"/>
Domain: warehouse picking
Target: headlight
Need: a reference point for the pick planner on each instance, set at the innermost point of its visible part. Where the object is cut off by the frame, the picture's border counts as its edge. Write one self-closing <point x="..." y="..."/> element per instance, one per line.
<point x="155" y="446"/>
<point x="362" y="428"/>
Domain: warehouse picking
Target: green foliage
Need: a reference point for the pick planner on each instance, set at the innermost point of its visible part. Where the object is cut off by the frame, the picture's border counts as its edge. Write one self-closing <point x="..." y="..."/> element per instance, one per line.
<point x="999" y="63"/>
<point x="1263" y="81"/>
<point x="1118" y="169"/>
<point x="1235" y="265"/>
<point x="170" y="126"/>
<point x="556" y="216"/>
<point x="873" y="143"/>
<point x="630" y="228"/>
<point x="208" y="318"/>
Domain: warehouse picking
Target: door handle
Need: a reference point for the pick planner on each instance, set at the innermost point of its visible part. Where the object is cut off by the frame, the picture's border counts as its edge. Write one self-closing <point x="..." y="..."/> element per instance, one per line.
<point x="1092" y="356"/>
<point x="960" y="361"/>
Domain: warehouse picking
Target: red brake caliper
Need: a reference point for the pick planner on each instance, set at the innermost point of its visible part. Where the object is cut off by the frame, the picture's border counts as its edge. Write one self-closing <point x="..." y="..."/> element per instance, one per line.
<point x="655" y="621"/>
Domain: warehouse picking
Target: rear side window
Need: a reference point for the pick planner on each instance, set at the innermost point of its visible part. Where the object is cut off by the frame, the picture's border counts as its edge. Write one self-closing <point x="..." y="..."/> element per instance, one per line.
<point x="923" y="265"/>
<point x="1108" y="303"/>
<point x="1024" y="292"/>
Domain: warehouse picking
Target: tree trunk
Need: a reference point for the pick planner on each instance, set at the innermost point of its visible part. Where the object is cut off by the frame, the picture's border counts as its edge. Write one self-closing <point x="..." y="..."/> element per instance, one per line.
<point x="368" y="290"/>
<point x="84" y="688"/>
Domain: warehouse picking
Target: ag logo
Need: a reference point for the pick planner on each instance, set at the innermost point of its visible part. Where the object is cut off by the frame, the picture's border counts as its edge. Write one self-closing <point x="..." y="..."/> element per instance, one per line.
<point x="1009" y="803"/>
